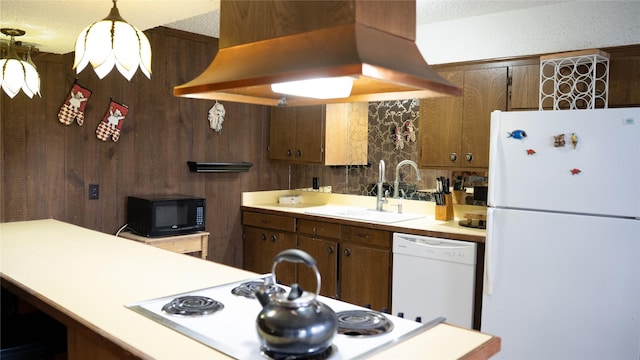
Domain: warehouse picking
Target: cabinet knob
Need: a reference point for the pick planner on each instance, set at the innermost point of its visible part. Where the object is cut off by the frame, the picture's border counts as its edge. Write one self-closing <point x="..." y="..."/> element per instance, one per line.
<point x="273" y="238"/>
<point x="298" y="153"/>
<point x="469" y="156"/>
<point x="330" y="249"/>
<point x="453" y="157"/>
<point x="347" y="252"/>
<point x="289" y="153"/>
<point x="263" y="237"/>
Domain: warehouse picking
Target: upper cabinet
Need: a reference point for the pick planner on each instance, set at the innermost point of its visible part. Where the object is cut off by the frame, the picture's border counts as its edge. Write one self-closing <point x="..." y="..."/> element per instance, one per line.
<point x="333" y="134"/>
<point x="454" y="131"/>
<point x="624" y="77"/>
<point x="525" y="87"/>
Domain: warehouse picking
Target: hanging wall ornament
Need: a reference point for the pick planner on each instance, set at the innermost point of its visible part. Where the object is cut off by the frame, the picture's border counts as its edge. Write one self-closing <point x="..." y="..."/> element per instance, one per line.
<point x="410" y="131"/>
<point x="398" y="139"/>
<point x="216" y="116"/>
<point x="112" y="122"/>
<point x="73" y="107"/>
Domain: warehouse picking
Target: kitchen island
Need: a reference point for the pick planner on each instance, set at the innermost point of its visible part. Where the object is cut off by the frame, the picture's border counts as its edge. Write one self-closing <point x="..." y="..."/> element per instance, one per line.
<point x="83" y="278"/>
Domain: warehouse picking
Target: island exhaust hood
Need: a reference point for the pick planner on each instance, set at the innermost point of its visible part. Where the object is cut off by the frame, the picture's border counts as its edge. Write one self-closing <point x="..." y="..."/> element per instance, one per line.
<point x="271" y="41"/>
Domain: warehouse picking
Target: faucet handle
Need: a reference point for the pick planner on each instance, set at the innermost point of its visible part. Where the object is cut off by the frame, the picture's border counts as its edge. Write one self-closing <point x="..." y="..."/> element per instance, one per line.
<point x="399" y="205"/>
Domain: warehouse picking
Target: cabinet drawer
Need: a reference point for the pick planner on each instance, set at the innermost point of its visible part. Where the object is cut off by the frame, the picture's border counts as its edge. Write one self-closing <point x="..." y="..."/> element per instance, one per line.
<point x="319" y="229"/>
<point x="267" y="221"/>
<point x="367" y="236"/>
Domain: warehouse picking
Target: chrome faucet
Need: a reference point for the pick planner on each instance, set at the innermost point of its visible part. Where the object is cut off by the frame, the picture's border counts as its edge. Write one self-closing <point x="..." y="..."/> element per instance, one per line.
<point x="380" y="197"/>
<point x="396" y="182"/>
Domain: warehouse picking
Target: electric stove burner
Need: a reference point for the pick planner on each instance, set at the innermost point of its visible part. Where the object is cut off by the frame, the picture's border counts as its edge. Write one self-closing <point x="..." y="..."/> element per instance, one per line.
<point x="248" y="289"/>
<point x="318" y="355"/>
<point x="363" y="323"/>
<point x="192" y="306"/>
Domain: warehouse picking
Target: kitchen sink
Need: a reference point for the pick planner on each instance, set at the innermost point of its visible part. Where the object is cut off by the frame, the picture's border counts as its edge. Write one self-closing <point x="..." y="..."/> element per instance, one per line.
<point x="370" y="215"/>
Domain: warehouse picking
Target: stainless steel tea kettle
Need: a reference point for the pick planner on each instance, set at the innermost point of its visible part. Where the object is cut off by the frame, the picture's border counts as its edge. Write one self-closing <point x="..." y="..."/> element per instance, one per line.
<point x="295" y="323"/>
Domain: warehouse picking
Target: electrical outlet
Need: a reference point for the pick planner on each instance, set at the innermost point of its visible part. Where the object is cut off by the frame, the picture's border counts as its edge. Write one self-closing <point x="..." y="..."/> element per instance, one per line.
<point x="94" y="191"/>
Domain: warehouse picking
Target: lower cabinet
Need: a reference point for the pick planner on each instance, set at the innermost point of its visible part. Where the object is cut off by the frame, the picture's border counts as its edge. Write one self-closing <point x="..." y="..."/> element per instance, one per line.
<point x="320" y="240"/>
<point x="354" y="262"/>
<point x="365" y="267"/>
<point x="262" y="244"/>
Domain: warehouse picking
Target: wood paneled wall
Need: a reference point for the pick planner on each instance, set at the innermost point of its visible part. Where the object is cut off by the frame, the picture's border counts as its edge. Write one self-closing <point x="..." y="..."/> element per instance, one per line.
<point x="47" y="167"/>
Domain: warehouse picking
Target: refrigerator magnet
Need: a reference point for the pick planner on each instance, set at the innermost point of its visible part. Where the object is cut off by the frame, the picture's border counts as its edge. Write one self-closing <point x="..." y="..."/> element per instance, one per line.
<point x="558" y="140"/>
<point x="531" y="152"/>
<point x="517" y="134"/>
<point x="574" y="140"/>
<point x="575" y="171"/>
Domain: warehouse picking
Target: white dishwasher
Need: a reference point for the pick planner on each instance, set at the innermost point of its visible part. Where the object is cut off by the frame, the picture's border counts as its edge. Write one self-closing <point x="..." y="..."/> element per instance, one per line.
<point x="433" y="277"/>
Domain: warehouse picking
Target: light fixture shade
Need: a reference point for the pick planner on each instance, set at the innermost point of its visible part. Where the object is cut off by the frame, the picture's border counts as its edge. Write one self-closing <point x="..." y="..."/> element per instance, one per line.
<point x="113" y="42"/>
<point x="17" y="74"/>
<point x="319" y="88"/>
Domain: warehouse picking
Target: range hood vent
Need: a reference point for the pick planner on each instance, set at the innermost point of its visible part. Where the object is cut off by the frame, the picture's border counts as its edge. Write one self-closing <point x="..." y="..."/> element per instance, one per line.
<point x="264" y="42"/>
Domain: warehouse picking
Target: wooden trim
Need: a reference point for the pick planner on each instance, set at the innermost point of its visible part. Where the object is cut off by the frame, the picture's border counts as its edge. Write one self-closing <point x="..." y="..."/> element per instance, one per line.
<point x="484" y="351"/>
<point x="575" y="53"/>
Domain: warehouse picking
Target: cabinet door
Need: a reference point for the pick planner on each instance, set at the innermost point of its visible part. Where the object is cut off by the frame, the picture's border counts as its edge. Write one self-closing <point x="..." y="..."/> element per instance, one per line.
<point x="325" y="252"/>
<point x="309" y="134"/>
<point x="297" y="134"/>
<point x="441" y="127"/>
<point x="364" y="275"/>
<point x="261" y="246"/>
<point x="282" y="131"/>
<point x="525" y="87"/>
<point x="624" y="77"/>
<point x="485" y="90"/>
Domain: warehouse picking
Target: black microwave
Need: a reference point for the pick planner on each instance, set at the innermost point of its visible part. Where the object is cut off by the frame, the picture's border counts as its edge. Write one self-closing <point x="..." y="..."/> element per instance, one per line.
<point x="165" y="216"/>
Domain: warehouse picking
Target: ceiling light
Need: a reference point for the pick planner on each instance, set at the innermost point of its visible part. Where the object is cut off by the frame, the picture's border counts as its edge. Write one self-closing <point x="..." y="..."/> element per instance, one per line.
<point x="320" y="88"/>
<point x="113" y="42"/>
<point x="15" y="73"/>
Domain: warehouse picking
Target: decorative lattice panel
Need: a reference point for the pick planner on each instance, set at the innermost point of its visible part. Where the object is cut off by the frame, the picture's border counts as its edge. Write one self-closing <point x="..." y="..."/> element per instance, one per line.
<point x="574" y="80"/>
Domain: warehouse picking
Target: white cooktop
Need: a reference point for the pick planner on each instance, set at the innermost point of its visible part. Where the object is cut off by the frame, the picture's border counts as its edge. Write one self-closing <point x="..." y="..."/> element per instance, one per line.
<point x="233" y="329"/>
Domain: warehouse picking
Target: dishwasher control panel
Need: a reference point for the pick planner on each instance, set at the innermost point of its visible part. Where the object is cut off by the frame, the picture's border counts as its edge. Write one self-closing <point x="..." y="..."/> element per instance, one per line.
<point x="435" y="248"/>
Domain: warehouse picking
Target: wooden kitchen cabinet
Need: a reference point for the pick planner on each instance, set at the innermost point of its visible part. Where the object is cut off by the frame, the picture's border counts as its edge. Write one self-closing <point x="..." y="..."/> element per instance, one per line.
<point x="332" y="134"/>
<point x="355" y="262"/>
<point x="320" y="240"/>
<point x="261" y="244"/>
<point x="525" y="87"/>
<point x="365" y="267"/>
<point x="624" y="78"/>
<point x="455" y="130"/>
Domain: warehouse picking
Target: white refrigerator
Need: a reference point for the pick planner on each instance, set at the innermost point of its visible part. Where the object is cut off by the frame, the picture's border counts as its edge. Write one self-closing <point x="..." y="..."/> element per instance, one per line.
<point x="562" y="263"/>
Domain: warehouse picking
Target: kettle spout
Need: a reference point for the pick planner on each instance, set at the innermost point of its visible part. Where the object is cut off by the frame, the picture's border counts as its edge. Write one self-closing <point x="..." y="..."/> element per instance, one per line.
<point x="263" y="296"/>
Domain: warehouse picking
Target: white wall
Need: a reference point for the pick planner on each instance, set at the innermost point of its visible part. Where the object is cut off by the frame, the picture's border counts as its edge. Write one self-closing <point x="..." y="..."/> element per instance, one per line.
<point x="554" y="28"/>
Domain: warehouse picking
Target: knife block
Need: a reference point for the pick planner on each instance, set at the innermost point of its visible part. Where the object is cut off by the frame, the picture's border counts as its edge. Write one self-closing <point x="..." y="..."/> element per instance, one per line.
<point x="445" y="212"/>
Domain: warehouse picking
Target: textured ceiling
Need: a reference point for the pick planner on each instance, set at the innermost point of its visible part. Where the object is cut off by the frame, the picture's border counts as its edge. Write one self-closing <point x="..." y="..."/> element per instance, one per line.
<point x="53" y="25"/>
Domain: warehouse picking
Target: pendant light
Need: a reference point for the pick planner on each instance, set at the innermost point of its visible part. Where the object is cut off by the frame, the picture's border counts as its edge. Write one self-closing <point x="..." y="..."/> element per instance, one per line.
<point x="15" y="73"/>
<point x="113" y="42"/>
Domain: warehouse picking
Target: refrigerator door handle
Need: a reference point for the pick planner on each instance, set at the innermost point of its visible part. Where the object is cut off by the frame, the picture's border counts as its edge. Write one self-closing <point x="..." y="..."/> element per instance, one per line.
<point x="489" y="253"/>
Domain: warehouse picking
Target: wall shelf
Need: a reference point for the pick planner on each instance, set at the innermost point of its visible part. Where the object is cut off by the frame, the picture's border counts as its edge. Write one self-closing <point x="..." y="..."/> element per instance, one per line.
<point x="219" y="167"/>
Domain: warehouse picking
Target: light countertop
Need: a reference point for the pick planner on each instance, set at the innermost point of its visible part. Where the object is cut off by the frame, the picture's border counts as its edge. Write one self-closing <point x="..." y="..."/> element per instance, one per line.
<point x="427" y="225"/>
<point x="88" y="276"/>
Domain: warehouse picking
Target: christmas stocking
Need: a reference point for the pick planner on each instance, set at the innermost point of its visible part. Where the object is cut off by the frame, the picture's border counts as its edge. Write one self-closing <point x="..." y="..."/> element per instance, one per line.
<point x="73" y="107"/>
<point x="112" y="122"/>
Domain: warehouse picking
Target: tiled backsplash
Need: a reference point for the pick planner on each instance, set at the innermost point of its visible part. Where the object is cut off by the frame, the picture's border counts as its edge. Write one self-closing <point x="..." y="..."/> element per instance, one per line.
<point x="384" y="118"/>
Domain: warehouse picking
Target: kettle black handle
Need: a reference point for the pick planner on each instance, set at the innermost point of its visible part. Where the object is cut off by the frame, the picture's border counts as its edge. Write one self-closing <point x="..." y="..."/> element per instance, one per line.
<point x="296" y="256"/>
